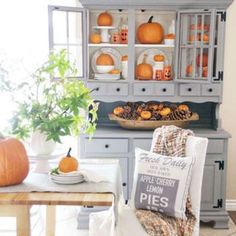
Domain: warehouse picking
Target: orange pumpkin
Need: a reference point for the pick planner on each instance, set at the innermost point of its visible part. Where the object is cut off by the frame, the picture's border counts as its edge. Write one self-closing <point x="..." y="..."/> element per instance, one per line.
<point x="104" y="59"/>
<point x="68" y="163"/>
<point x="150" y="32"/>
<point x="95" y="38"/>
<point x="146" y="115"/>
<point x="118" y="111"/>
<point x="14" y="163"/>
<point x="104" y="19"/>
<point x="114" y="72"/>
<point x="124" y="58"/>
<point x="159" y="57"/>
<point x="144" y="70"/>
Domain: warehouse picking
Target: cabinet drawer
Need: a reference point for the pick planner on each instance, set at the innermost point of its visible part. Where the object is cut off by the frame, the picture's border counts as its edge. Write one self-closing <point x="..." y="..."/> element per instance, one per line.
<point x="143" y="143"/>
<point x="118" y="89"/>
<point x="211" y="90"/>
<point x="190" y="90"/>
<point x="106" y="145"/>
<point x="143" y="89"/>
<point x="215" y="146"/>
<point x="165" y="89"/>
<point x="98" y="88"/>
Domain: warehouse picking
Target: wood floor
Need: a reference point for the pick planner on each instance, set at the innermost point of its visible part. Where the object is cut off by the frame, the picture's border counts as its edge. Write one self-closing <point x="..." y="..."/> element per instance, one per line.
<point x="233" y="216"/>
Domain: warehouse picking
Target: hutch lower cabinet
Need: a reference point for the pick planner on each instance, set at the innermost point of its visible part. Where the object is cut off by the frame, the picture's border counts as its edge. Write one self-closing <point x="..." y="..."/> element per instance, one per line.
<point x="177" y="59"/>
<point x="120" y="144"/>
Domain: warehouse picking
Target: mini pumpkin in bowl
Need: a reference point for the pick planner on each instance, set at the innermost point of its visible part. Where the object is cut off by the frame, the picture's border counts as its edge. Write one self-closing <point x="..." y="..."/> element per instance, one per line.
<point x="68" y="163"/>
<point x="104" y="63"/>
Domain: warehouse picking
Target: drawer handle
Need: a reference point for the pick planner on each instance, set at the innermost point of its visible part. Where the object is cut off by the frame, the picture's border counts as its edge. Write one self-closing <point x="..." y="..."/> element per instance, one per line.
<point x="107" y="146"/>
<point x="164" y="90"/>
<point x="143" y="89"/>
<point x="118" y="89"/>
<point x="124" y="184"/>
<point x="97" y="89"/>
<point x="210" y="90"/>
<point x="190" y="89"/>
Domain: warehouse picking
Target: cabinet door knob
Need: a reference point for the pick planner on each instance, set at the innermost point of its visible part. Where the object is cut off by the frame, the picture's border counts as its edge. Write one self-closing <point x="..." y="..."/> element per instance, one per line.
<point x="210" y="90"/>
<point x="164" y="90"/>
<point x="143" y="89"/>
<point x="118" y="89"/>
<point x="190" y="89"/>
<point x="124" y="184"/>
<point x="107" y="146"/>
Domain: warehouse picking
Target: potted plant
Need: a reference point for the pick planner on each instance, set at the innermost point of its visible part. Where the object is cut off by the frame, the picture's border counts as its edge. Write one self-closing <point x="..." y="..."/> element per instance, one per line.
<point x="55" y="104"/>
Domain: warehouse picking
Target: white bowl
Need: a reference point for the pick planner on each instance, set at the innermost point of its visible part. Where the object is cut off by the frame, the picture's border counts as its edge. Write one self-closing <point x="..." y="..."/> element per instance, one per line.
<point x="104" y="69"/>
<point x="169" y="41"/>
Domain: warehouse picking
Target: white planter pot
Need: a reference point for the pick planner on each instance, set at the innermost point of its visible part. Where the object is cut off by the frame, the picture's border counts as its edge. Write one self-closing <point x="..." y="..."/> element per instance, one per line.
<point x="40" y="146"/>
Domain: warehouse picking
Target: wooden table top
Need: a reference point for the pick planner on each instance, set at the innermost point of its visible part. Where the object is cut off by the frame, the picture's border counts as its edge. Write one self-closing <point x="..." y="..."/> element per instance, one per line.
<point x="52" y="198"/>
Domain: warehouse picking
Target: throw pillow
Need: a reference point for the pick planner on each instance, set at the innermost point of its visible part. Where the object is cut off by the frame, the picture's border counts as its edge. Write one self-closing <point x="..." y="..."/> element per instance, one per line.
<point x="161" y="183"/>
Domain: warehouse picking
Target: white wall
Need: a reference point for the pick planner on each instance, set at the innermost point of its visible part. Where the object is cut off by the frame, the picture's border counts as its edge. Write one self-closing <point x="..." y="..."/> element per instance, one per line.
<point x="228" y="108"/>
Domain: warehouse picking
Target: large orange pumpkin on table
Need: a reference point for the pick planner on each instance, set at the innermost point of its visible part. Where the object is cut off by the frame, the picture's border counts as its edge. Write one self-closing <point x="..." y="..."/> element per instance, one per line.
<point x="14" y="163"/>
<point x="150" y="32"/>
<point x="144" y="70"/>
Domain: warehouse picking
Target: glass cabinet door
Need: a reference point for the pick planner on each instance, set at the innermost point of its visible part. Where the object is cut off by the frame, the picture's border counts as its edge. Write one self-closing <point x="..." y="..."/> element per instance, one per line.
<point x="194" y="46"/>
<point x="67" y="30"/>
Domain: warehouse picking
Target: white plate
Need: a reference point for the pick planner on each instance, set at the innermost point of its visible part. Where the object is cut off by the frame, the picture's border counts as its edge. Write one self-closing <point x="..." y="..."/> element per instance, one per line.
<point x="116" y="56"/>
<point x="66" y="179"/>
<point x="151" y="52"/>
<point x="107" y="76"/>
<point x="104" y="27"/>
<point x="67" y="182"/>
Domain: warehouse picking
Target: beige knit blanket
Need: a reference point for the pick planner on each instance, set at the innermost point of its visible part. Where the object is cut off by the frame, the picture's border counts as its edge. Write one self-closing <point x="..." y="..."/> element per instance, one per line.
<point x="169" y="141"/>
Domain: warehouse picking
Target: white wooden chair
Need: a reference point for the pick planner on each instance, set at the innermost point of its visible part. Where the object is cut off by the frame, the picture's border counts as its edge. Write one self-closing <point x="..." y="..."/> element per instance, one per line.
<point x="128" y="224"/>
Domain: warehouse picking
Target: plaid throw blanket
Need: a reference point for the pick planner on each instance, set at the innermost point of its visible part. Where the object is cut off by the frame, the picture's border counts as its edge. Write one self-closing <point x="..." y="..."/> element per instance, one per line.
<point x="169" y="141"/>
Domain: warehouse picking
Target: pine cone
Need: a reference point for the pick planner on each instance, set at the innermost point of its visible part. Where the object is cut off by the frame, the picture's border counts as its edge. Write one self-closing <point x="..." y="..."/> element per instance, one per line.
<point x="180" y="115"/>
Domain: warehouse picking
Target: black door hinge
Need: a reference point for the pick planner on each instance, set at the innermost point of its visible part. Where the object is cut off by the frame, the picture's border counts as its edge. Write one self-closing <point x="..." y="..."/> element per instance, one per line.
<point x="222" y="15"/>
<point x="219" y="203"/>
<point x="221" y="165"/>
<point x="220" y="76"/>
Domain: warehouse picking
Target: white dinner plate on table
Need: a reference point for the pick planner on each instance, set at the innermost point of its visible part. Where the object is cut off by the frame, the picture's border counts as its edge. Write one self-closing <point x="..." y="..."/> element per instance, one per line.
<point x="66" y="178"/>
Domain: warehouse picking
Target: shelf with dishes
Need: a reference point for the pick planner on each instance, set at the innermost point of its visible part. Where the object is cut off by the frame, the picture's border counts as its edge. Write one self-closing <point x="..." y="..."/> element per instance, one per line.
<point x="107" y="45"/>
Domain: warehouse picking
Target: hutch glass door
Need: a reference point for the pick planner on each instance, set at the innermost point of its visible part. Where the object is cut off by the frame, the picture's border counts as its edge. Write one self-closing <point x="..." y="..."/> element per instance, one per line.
<point x="67" y="30"/>
<point x="195" y="46"/>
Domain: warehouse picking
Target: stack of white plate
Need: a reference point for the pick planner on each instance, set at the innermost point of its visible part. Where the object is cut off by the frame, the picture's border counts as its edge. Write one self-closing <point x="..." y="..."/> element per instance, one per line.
<point x="68" y="178"/>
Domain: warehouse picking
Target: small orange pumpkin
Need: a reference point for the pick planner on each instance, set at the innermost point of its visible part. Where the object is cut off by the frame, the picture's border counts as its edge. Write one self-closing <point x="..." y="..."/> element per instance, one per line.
<point x="150" y="32"/>
<point x="114" y="72"/>
<point x="118" y="111"/>
<point x="144" y="70"/>
<point x="68" y="163"/>
<point x="159" y="57"/>
<point x="95" y="38"/>
<point x="146" y="115"/>
<point x="14" y="163"/>
<point x="104" y="59"/>
<point x="104" y="19"/>
<point x="124" y="58"/>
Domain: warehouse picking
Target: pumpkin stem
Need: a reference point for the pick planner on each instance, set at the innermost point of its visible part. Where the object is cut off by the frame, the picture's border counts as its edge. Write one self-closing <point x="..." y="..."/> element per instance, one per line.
<point x="150" y="19"/>
<point x="68" y="153"/>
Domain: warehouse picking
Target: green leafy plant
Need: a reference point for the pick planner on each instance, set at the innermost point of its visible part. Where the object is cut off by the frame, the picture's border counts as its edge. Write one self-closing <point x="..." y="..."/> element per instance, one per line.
<point x="55" y="102"/>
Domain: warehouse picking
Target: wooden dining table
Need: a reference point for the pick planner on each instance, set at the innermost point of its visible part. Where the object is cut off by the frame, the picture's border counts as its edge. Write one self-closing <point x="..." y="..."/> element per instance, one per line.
<point x="18" y="205"/>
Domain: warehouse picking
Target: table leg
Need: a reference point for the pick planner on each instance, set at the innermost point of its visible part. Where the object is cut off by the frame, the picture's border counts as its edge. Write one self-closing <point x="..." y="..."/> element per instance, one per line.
<point x="50" y="220"/>
<point x="23" y="220"/>
<point x="22" y="214"/>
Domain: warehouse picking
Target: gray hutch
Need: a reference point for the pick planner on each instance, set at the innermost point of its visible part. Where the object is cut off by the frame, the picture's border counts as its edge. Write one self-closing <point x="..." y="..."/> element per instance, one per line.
<point x="202" y="92"/>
